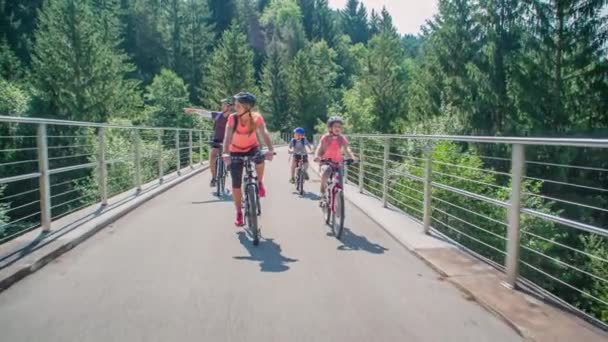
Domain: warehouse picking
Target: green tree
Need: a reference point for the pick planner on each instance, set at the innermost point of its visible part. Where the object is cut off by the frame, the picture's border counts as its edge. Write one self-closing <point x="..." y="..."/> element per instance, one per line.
<point x="13" y="100"/>
<point x="222" y="14"/>
<point x="17" y="25"/>
<point x="274" y="89"/>
<point x="11" y="67"/>
<point x="354" y="21"/>
<point x="231" y="67"/>
<point x="307" y="7"/>
<point x="165" y="98"/>
<point x="143" y="39"/>
<point x="384" y="80"/>
<point x="324" y="23"/>
<point x="283" y="22"/>
<point x="110" y="15"/>
<point x="79" y="75"/>
<point x="310" y="80"/>
<point x="197" y="40"/>
<point x="374" y="23"/>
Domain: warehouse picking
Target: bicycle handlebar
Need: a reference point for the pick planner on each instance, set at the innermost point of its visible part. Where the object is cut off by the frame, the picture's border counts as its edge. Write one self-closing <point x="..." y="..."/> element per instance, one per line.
<point x="346" y="161"/>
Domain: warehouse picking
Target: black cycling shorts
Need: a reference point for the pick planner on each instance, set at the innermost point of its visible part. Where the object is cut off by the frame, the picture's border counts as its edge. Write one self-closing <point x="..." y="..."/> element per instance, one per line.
<point x="236" y="166"/>
<point x="217" y="143"/>
<point x="298" y="157"/>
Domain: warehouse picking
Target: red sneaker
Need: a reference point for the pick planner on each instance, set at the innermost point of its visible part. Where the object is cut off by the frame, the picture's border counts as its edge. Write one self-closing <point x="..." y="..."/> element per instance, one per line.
<point x="239" y="219"/>
<point x="261" y="189"/>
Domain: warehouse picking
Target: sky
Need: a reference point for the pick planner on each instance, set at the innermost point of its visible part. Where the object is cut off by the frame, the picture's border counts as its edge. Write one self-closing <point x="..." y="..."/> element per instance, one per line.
<point x="408" y="15"/>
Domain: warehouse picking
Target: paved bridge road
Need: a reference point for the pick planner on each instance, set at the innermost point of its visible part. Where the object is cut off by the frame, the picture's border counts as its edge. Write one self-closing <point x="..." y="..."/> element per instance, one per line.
<point x="176" y="269"/>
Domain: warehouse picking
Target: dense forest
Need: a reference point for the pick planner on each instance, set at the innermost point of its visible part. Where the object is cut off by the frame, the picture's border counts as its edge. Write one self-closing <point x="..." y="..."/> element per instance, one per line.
<point x="480" y="67"/>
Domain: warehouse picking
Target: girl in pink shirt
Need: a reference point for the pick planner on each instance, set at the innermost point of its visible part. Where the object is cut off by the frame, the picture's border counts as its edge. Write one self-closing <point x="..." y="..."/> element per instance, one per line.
<point x="331" y="146"/>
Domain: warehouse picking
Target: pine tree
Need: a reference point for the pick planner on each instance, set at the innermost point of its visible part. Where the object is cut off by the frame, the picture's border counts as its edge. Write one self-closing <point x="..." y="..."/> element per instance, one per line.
<point x="197" y="40"/>
<point x="452" y="47"/>
<point x="231" y="67"/>
<point x="324" y="23"/>
<point x="143" y="39"/>
<point x="274" y="89"/>
<point x="307" y="8"/>
<point x="354" y="21"/>
<point x="310" y="79"/>
<point x="17" y="25"/>
<point x="79" y="75"/>
<point x="565" y="66"/>
<point x="283" y="22"/>
<point x="374" y="24"/>
<point x="11" y="67"/>
<point x="385" y="81"/>
<point x="172" y="27"/>
<point x="109" y="13"/>
<point x="386" y="22"/>
<point x="222" y="14"/>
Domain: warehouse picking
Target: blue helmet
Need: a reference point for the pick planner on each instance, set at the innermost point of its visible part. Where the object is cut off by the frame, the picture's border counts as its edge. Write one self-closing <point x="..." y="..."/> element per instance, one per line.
<point x="299" y="130"/>
<point x="245" y="98"/>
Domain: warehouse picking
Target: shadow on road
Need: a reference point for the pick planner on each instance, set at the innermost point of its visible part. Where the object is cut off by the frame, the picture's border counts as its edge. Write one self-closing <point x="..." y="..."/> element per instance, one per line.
<point x="311" y="196"/>
<point x="267" y="253"/>
<point x="224" y="198"/>
<point x="353" y="242"/>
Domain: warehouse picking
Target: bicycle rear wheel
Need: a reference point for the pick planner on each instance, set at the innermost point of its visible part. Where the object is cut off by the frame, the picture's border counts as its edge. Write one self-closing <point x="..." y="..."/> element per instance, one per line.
<point x="252" y="213"/>
<point x="338" y="214"/>
<point x="219" y="174"/>
<point x="300" y="186"/>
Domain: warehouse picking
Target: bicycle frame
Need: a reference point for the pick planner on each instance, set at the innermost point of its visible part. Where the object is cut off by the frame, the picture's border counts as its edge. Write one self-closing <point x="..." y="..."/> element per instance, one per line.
<point x="335" y="182"/>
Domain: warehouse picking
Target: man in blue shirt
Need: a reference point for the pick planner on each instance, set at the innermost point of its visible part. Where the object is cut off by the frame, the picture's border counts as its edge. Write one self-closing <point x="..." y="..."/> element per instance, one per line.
<point x="220" y="120"/>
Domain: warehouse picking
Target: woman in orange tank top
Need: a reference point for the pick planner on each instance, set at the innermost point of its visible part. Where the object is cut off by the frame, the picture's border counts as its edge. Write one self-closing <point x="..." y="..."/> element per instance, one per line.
<point x="241" y="140"/>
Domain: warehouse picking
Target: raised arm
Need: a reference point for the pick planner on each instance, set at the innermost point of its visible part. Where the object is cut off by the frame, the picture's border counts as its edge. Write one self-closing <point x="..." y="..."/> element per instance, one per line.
<point x="201" y="112"/>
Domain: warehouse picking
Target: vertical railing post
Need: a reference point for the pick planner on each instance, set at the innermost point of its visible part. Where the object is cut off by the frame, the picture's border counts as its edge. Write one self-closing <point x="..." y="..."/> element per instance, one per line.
<point x="387" y="149"/>
<point x="517" y="173"/>
<point x="200" y="141"/>
<point x="102" y="166"/>
<point x="161" y="165"/>
<point x="190" y="149"/>
<point x="44" y="181"/>
<point x="137" y="159"/>
<point x="428" y="191"/>
<point x="179" y="162"/>
<point x="361" y="162"/>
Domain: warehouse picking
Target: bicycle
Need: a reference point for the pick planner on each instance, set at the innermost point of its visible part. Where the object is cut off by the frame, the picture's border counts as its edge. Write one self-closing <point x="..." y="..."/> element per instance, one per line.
<point x="252" y="208"/>
<point x="333" y="207"/>
<point x="221" y="172"/>
<point x="300" y="173"/>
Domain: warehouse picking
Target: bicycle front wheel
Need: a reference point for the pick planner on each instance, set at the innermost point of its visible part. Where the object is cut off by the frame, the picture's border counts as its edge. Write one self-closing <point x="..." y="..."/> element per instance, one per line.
<point x="252" y="213"/>
<point x="327" y="207"/>
<point x="338" y="215"/>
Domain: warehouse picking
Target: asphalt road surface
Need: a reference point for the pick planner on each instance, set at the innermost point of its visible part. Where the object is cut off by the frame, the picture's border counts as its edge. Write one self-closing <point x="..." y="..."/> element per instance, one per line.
<point x="176" y="269"/>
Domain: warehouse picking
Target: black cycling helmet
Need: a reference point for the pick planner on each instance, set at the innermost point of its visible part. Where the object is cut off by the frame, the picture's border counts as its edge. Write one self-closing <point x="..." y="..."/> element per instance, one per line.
<point x="229" y="101"/>
<point x="334" y="120"/>
<point x="245" y="98"/>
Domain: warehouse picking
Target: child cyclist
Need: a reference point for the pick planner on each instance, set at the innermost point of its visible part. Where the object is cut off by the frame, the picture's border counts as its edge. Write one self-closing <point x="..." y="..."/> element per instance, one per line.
<point x="300" y="147"/>
<point x="331" y="146"/>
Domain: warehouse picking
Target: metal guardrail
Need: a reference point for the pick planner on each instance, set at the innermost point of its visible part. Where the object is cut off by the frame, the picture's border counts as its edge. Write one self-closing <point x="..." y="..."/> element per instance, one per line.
<point x="55" y="167"/>
<point x="51" y="168"/>
<point x="505" y="200"/>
